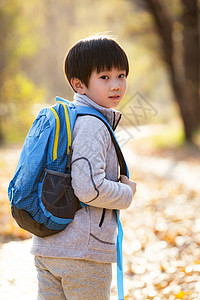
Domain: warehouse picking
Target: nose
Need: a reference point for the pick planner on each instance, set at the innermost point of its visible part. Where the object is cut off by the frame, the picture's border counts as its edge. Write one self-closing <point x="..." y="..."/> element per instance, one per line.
<point x="115" y="85"/>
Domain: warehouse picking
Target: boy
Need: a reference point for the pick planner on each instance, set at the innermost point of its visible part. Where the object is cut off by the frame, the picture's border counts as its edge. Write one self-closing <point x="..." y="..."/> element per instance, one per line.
<point x="76" y="263"/>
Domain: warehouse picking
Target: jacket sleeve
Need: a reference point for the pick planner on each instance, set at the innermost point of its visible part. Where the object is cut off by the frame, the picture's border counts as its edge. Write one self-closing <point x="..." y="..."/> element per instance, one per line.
<point x="90" y="146"/>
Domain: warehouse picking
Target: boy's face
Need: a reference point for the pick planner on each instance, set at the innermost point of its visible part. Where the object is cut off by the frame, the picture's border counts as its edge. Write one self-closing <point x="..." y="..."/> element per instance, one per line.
<point x="107" y="88"/>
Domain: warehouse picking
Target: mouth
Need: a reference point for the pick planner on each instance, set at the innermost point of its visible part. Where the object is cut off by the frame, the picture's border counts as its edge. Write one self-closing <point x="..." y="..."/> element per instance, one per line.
<point x="115" y="97"/>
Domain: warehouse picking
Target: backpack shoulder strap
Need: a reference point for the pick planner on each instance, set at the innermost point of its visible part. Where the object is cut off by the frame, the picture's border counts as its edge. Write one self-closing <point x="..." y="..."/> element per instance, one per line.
<point x="83" y="110"/>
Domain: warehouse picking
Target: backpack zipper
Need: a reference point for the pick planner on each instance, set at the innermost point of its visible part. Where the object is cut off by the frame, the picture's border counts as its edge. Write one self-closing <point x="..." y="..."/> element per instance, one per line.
<point x="55" y="145"/>
<point x="67" y="126"/>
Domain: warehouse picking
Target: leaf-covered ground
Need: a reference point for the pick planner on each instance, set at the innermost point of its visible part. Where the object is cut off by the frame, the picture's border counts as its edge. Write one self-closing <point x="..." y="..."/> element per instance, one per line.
<point x="161" y="229"/>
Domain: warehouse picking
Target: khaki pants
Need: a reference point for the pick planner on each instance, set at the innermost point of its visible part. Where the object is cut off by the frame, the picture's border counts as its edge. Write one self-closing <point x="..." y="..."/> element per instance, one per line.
<point x="72" y="279"/>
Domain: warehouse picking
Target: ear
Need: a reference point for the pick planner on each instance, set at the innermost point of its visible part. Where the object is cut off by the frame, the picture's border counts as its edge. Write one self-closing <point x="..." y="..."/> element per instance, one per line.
<point x="78" y="86"/>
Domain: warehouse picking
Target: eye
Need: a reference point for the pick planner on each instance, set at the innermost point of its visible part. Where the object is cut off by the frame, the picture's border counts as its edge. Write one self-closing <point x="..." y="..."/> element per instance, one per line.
<point x="105" y="77"/>
<point x="122" y="75"/>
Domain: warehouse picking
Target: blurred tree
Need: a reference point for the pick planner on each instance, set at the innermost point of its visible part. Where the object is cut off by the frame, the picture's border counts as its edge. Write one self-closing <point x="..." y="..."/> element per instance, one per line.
<point x="180" y="50"/>
<point x="7" y="23"/>
<point x="17" y="91"/>
<point x="191" y="59"/>
<point x="63" y="23"/>
<point x="33" y="49"/>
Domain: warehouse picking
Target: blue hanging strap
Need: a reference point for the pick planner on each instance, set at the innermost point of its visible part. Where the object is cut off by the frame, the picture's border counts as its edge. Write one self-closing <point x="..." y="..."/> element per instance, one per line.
<point x="120" y="281"/>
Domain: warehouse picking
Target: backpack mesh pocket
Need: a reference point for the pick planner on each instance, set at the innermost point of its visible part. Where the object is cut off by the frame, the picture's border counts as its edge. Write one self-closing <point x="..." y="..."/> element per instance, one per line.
<point x="58" y="195"/>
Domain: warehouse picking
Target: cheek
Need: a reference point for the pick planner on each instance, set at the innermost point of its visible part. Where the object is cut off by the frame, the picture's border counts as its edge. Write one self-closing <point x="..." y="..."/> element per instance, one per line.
<point x="124" y="88"/>
<point x="101" y="89"/>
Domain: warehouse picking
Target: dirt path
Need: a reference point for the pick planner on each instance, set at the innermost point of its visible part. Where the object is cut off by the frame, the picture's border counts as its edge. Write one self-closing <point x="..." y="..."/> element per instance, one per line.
<point x="161" y="237"/>
<point x="167" y="168"/>
<point x="18" y="278"/>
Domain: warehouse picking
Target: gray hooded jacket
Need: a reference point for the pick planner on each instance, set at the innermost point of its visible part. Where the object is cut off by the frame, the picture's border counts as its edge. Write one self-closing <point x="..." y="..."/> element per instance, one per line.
<point x="92" y="233"/>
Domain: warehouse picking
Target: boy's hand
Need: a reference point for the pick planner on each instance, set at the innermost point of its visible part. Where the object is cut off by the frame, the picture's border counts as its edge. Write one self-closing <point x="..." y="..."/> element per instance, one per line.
<point x="124" y="179"/>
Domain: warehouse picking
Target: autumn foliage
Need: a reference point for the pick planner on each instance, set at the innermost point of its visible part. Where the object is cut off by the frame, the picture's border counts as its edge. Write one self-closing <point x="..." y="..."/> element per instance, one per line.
<point x="161" y="228"/>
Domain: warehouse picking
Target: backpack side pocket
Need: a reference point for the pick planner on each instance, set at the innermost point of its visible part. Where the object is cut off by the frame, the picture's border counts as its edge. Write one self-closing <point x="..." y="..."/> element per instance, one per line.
<point x="57" y="195"/>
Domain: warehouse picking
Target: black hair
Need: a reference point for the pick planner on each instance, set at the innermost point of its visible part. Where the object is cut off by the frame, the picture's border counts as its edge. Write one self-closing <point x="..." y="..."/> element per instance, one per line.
<point x="100" y="53"/>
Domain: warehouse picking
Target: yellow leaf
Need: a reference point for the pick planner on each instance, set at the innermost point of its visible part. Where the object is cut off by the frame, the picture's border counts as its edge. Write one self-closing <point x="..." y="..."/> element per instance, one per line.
<point x="197" y="262"/>
<point x="180" y="295"/>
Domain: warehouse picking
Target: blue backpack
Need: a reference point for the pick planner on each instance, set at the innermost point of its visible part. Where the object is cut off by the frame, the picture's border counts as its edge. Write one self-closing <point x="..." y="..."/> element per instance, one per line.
<point x="40" y="193"/>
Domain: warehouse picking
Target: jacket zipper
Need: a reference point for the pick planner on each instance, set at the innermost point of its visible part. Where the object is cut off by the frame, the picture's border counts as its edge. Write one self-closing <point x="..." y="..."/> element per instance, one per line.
<point x="114" y="126"/>
<point x="102" y="217"/>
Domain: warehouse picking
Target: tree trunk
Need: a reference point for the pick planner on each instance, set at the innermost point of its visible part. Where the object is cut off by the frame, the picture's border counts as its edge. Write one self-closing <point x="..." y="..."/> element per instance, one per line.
<point x="185" y="86"/>
<point x="191" y="63"/>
